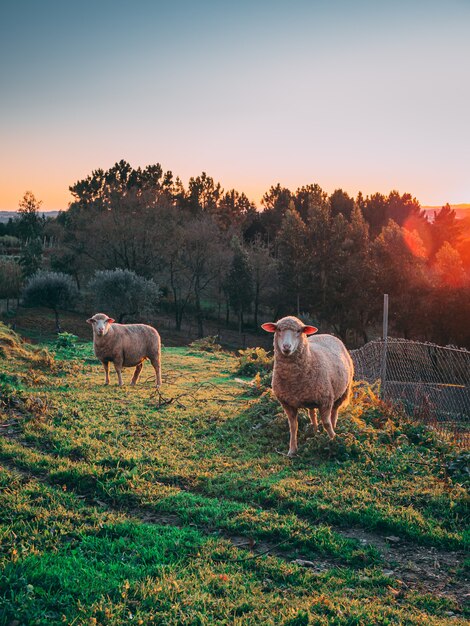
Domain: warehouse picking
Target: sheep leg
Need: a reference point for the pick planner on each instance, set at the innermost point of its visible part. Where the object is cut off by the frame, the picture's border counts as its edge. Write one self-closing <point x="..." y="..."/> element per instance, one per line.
<point x="334" y="416"/>
<point x="155" y="361"/>
<point x="325" y="415"/>
<point x="313" y="419"/>
<point x="293" y="427"/>
<point x="338" y="404"/>
<point x="106" y="371"/>
<point x="137" y="371"/>
<point x="118" y="368"/>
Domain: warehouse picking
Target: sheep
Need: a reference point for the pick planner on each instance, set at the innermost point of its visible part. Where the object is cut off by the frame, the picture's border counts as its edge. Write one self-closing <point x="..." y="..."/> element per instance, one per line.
<point x="309" y="373"/>
<point x="125" y="345"/>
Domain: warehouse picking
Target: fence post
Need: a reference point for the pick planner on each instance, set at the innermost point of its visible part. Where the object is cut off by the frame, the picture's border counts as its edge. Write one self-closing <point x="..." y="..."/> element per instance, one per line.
<point x="383" y="373"/>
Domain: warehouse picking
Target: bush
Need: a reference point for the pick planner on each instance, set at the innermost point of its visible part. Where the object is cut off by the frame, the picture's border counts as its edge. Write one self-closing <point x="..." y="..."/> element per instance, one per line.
<point x="457" y="467"/>
<point x="123" y="293"/>
<point x="52" y="290"/>
<point x="10" y="279"/>
<point x="67" y="343"/>
<point x="254" y="361"/>
<point x="207" y="344"/>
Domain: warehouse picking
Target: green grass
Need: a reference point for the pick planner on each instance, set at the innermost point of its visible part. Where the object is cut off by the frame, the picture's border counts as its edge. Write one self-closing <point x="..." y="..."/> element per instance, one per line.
<point x="118" y="510"/>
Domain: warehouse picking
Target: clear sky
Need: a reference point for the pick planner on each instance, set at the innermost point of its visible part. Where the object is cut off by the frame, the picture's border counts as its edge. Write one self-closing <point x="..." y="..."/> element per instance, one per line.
<point x="368" y="95"/>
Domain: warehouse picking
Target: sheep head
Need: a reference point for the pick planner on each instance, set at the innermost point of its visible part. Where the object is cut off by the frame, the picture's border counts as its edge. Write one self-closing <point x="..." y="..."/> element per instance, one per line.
<point x="290" y="332"/>
<point x="100" y="323"/>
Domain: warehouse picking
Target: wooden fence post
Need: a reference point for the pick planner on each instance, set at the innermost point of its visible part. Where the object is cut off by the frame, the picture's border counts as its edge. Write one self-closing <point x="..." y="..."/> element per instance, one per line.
<point x="383" y="372"/>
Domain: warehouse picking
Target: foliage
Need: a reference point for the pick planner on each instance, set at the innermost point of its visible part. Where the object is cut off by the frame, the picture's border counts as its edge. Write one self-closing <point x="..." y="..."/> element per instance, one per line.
<point x="330" y="255"/>
<point x="53" y="290"/>
<point x="67" y="342"/>
<point x="9" y="241"/>
<point x="206" y="344"/>
<point x="254" y="361"/>
<point x="458" y="467"/>
<point x="31" y="257"/>
<point x="123" y="293"/>
<point x="10" y="278"/>
<point x="30" y="224"/>
<point x="239" y="282"/>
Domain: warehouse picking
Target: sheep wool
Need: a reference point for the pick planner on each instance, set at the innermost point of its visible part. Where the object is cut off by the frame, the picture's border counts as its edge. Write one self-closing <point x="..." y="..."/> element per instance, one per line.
<point x="125" y="345"/>
<point x="309" y="372"/>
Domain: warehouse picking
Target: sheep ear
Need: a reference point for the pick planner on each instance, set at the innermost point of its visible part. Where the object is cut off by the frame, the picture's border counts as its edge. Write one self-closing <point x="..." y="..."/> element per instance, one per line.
<point x="90" y="320"/>
<point x="110" y="320"/>
<point x="309" y="330"/>
<point x="269" y="326"/>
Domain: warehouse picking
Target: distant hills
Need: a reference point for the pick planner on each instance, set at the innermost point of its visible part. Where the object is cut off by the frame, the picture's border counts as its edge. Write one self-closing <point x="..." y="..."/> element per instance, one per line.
<point x="461" y="210"/>
<point x="6" y="215"/>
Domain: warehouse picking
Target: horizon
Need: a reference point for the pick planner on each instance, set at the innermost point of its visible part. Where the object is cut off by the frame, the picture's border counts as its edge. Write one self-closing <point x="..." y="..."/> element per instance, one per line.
<point x="460" y="206"/>
<point x="370" y="97"/>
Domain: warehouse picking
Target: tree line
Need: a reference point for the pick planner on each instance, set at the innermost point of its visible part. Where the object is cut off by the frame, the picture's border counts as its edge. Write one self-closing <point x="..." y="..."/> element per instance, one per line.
<point x="212" y="253"/>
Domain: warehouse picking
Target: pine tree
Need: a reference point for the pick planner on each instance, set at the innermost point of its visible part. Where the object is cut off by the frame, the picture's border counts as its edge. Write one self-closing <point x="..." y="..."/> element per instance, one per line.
<point x="239" y="284"/>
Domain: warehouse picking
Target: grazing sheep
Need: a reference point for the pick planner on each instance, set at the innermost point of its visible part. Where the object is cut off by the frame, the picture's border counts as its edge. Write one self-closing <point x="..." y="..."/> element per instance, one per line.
<point x="125" y="345"/>
<point x="312" y="373"/>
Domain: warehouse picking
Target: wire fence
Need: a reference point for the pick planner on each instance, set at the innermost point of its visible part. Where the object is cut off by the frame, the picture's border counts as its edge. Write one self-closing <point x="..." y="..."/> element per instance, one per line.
<point x="431" y="382"/>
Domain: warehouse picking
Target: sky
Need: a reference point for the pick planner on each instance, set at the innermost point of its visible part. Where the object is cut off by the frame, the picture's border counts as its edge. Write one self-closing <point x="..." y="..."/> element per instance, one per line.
<point x="367" y="95"/>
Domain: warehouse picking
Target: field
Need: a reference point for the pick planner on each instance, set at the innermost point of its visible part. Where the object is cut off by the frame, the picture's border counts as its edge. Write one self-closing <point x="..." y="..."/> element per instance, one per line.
<point x="123" y="506"/>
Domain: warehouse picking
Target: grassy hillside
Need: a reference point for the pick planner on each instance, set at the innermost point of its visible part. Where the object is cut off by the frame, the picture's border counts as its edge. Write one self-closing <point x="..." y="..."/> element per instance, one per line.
<point x="124" y="506"/>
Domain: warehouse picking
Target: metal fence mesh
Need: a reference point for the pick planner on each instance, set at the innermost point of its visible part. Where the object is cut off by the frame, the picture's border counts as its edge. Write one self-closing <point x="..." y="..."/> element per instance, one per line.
<point x="431" y="382"/>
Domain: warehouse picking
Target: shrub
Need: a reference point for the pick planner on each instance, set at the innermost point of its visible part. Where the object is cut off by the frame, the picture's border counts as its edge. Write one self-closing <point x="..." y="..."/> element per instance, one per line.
<point x="123" y="293"/>
<point x="457" y="467"/>
<point x="254" y="361"/>
<point x="66" y="346"/>
<point x="10" y="279"/>
<point x="66" y="341"/>
<point x="52" y="290"/>
<point x="207" y="344"/>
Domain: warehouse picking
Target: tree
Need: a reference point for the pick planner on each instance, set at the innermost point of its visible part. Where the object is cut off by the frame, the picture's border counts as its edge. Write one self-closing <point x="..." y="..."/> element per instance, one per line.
<point x="123" y="293"/>
<point x="445" y="227"/>
<point x="234" y="210"/>
<point x="203" y="195"/>
<point x="52" y="290"/>
<point x="202" y="256"/>
<point x="239" y="282"/>
<point x="357" y="303"/>
<point x="291" y="245"/>
<point x="30" y="223"/>
<point x="328" y="257"/>
<point x="375" y="211"/>
<point x="276" y="201"/>
<point x="401" y="272"/>
<point x="340" y="202"/>
<point x="10" y="279"/>
<point x="402" y="209"/>
<point x="449" y="267"/>
<point x="265" y="275"/>
<point x="116" y="218"/>
<point x="31" y="257"/>
<point x="309" y="196"/>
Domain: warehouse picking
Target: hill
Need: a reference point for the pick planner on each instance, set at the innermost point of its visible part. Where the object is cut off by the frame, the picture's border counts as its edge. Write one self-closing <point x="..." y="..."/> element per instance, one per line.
<point x="7" y="215"/>
<point x="461" y="210"/>
<point x="123" y="506"/>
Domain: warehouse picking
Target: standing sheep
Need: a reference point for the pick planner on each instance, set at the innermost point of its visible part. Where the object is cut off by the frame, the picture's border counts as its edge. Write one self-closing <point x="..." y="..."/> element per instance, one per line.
<point x="125" y="345"/>
<point x="312" y="373"/>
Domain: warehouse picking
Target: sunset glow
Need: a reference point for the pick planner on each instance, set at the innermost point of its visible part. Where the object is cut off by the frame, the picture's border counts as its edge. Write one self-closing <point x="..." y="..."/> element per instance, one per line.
<point x="364" y="96"/>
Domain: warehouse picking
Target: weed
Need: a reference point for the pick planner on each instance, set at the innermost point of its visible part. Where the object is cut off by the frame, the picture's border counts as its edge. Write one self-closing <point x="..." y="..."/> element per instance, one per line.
<point x="254" y="361"/>
<point x="207" y="344"/>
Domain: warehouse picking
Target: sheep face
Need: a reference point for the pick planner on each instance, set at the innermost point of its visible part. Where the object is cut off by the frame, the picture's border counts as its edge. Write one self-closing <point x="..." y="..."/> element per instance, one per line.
<point x="289" y="333"/>
<point x="100" y="323"/>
